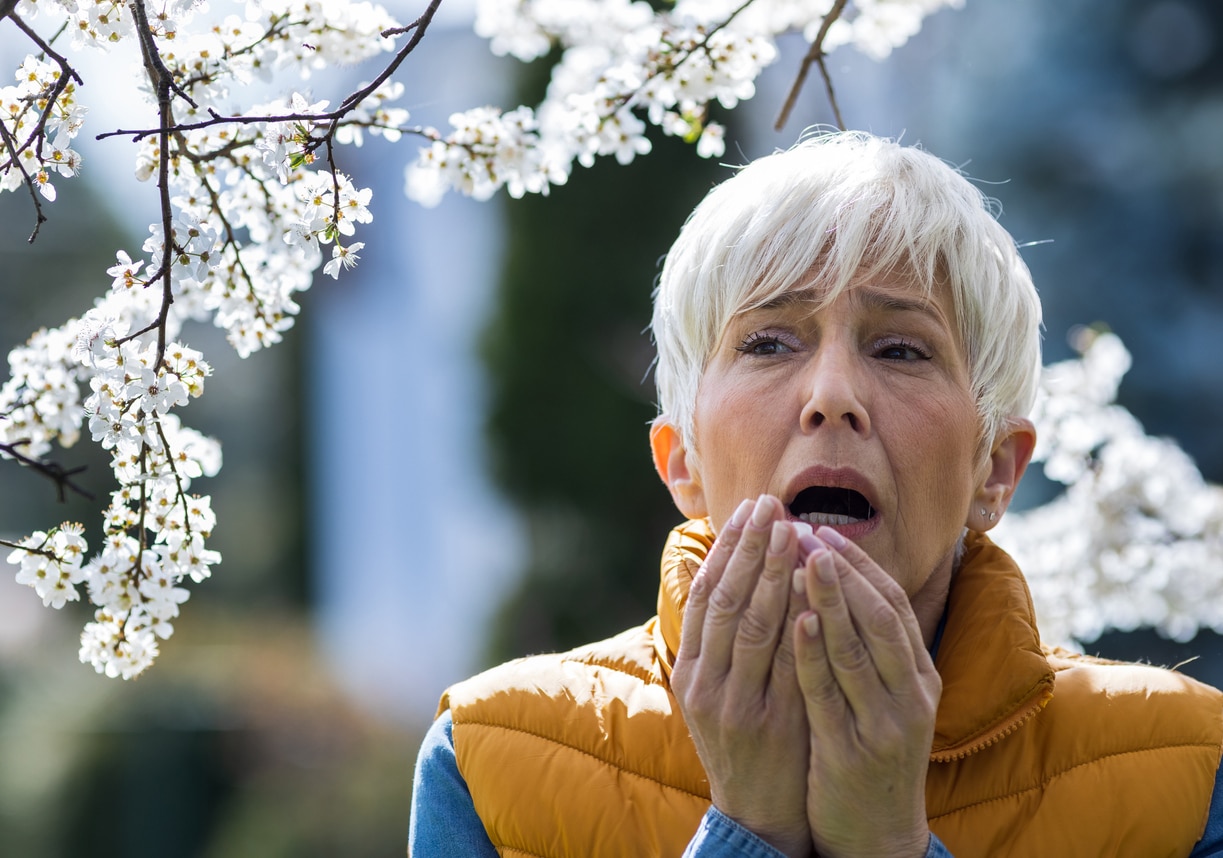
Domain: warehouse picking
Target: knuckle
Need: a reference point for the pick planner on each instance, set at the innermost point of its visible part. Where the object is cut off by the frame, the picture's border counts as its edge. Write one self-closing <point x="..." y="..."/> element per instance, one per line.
<point x="882" y="620"/>
<point x="785" y="657"/>
<point x="722" y="604"/>
<point x="775" y="568"/>
<point x="754" y="630"/>
<point x="689" y="691"/>
<point x="851" y="657"/>
<point x="699" y="589"/>
<point x="722" y="549"/>
<point x="823" y="692"/>
<point x="893" y="592"/>
<point x="751" y="548"/>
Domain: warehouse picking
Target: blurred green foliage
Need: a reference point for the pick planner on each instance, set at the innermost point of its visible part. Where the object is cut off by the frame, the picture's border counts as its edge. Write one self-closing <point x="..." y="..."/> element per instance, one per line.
<point x="568" y="356"/>
<point x="238" y="743"/>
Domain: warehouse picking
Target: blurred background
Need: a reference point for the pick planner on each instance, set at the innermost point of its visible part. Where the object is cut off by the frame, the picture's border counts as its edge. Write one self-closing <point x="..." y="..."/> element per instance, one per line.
<point x="445" y="464"/>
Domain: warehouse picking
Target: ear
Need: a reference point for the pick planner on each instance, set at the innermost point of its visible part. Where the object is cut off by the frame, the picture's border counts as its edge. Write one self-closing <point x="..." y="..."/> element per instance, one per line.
<point x="678" y="468"/>
<point x="1008" y="460"/>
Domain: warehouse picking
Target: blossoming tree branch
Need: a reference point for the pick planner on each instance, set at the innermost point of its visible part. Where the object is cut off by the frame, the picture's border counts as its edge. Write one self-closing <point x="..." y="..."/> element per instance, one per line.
<point x="253" y="199"/>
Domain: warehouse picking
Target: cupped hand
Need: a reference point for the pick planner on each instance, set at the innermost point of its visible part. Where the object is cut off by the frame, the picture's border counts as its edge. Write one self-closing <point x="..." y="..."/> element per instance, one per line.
<point x="870" y="691"/>
<point x="734" y="676"/>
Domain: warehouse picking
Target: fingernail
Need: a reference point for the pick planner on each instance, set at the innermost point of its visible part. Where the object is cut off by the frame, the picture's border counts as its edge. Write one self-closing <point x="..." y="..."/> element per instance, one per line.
<point x="739" y="516"/>
<point x="762" y="513"/>
<point x="824" y="568"/>
<point x="780" y="537"/>
<point x="800" y="580"/>
<point x="811" y="625"/>
<point x="833" y="537"/>
<point x="808" y="544"/>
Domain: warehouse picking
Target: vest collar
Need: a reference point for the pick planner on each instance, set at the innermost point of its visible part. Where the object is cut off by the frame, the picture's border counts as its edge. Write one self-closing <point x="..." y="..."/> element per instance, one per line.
<point x="995" y="675"/>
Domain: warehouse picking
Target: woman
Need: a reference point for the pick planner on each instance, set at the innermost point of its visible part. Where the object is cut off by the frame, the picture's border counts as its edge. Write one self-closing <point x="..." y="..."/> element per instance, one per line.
<point x="848" y="344"/>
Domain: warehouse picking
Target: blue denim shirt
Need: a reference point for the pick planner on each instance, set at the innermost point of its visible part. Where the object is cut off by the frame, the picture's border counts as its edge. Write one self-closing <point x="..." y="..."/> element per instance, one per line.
<point x="445" y="825"/>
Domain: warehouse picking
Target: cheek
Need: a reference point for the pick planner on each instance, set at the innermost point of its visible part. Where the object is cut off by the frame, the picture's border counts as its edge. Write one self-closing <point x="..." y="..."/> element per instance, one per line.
<point x="939" y="453"/>
<point x="739" y="444"/>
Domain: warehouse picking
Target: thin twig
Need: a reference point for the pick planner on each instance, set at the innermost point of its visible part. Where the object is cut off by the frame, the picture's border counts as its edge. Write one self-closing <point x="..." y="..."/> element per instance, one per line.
<point x="349" y="104"/>
<point x="815" y="54"/>
<point x="45" y="47"/>
<point x="57" y="473"/>
<point x="39" y="217"/>
<point x="419" y="26"/>
<point x="67" y="74"/>
<point x="832" y="96"/>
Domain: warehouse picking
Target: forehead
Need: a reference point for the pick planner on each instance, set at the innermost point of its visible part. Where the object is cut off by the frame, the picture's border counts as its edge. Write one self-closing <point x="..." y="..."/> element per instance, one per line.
<point x="885" y="292"/>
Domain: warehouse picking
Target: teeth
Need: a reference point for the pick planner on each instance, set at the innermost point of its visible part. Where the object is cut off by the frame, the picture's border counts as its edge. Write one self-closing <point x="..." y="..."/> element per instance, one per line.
<point x="818" y="518"/>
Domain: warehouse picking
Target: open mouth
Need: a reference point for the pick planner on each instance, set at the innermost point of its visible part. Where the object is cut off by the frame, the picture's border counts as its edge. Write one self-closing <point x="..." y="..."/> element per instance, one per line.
<point x="831" y="505"/>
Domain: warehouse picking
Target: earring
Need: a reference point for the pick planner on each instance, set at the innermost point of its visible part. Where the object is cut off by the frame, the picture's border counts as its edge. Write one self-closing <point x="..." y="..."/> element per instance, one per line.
<point x="992" y="516"/>
<point x="987" y="514"/>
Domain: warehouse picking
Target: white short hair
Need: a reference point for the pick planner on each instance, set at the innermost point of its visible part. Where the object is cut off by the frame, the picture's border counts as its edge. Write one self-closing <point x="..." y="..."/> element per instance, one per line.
<point x="835" y="206"/>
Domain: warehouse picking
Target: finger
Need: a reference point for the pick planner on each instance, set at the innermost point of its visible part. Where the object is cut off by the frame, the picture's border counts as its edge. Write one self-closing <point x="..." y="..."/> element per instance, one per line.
<point x="806" y="539"/>
<point x="729" y="598"/>
<point x="824" y="699"/>
<point x="887" y="587"/>
<point x="760" y="628"/>
<point x="706" y="579"/>
<point x="785" y="660"/>
<point x="879" y="631"/>
<point x="863" y="638"/>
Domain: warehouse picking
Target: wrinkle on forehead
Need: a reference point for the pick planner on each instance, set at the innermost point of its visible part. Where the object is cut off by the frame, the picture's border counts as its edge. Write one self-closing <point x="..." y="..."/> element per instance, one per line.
<point x="827" y="278"/>
<point x="895" y="290"/>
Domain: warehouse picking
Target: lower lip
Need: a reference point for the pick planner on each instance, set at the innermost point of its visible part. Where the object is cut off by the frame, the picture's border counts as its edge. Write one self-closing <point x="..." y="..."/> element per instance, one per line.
<point x="849" y="531"/>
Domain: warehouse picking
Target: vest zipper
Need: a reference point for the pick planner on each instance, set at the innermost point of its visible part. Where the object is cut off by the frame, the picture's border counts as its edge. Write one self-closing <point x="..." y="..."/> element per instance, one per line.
<point x="1006" y="728"/>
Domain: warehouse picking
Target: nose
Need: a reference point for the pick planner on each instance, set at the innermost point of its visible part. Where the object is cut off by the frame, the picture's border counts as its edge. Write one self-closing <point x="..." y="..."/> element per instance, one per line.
<point x="834" y="390"/>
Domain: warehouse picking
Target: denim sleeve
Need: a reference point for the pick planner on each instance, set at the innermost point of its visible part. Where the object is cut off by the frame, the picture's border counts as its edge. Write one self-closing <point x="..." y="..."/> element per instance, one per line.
<point x="444" y="821"/>
<point x="936" y="849"/>
<point x="1211" y="844"/>
<point x="721" y="837"/>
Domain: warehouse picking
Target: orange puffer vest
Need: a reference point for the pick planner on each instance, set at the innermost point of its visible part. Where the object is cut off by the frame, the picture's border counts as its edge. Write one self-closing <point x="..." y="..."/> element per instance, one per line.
<point x="1036" y="752"/>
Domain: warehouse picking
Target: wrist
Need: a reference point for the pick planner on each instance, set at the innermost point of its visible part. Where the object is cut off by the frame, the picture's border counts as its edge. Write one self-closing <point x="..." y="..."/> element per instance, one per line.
<point x="793" y="841"/>
<point x="917" y="846"/>
<point x="791" y="847"/>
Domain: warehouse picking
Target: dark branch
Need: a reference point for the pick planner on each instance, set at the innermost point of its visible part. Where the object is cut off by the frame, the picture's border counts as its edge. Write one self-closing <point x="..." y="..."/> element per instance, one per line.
<point x="57" y="473"/>
<point x="40" y="218"/>
<point x="163" y="84"/>
<point x="815" y="54"/>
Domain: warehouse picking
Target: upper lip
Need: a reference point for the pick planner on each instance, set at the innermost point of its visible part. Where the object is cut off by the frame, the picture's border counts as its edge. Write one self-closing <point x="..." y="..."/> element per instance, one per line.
<point x="844" y="478"/>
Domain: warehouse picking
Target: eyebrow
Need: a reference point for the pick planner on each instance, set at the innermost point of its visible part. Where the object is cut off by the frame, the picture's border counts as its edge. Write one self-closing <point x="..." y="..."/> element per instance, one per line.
<point x="897" y="303"/>
<point x="873" y="298"/>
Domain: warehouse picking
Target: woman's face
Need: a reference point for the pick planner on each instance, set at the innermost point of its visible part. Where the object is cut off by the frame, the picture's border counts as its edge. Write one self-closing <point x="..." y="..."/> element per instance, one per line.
<point x="858" y="415"/>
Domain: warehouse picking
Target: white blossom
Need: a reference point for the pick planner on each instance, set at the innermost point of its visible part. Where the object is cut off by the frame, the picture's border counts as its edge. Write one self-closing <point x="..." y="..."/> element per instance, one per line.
<point x="1136" y="539"/>
<point x="51" y="564"/>
<point x="342" y="257"/>
<point x="255" y="191"/>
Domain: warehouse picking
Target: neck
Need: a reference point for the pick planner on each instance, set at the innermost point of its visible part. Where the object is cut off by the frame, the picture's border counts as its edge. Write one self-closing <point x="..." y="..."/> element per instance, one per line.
<point x="931" y="600"/>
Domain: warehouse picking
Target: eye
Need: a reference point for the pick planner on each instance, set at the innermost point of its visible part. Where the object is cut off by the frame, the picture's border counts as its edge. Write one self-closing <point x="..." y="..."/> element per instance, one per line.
<point x="763" y="344"/>
<point x="901" y="350"/>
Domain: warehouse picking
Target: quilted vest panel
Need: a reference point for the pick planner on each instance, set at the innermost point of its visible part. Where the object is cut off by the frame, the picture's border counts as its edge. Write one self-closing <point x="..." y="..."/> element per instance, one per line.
<point x="1037" y="752"/>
